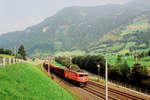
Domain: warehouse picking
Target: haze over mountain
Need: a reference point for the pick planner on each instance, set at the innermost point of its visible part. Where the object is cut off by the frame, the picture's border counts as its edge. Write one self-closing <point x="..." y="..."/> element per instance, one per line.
<point x="108" y="28"/>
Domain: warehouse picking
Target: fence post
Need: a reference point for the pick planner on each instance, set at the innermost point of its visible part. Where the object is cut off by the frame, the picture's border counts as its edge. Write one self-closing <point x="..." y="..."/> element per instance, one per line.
<point x="13" y="60"/>
<point x="9" y="61"/>
<point x="4" y="62"/>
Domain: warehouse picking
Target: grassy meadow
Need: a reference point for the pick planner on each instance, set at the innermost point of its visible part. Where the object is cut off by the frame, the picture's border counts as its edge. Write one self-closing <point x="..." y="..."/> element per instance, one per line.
<point x="130" y="60"/>
<point x="23" y="81"/>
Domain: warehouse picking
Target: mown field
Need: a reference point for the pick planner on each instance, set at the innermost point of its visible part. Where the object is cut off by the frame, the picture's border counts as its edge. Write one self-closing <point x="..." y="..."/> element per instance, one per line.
<point x="23" y="81"/>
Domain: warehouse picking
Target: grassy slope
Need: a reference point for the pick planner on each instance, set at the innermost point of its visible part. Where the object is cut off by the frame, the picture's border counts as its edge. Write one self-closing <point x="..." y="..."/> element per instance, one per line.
<point x="23" y="81"/>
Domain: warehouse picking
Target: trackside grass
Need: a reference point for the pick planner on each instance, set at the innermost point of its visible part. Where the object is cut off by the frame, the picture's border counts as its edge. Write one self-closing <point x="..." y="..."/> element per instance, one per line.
<point x="23" y="81"/>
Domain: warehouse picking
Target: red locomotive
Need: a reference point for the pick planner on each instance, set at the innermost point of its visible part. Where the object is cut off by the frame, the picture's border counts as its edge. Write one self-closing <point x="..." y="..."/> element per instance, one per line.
<point x="78" y="77"/>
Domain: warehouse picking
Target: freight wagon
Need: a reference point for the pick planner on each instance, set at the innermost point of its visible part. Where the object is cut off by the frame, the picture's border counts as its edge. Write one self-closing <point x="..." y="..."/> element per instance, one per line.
<point x="78" y="77"/>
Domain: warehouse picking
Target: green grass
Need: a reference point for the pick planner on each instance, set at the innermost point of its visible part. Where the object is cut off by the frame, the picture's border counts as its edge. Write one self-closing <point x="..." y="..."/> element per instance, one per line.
<point x="96" y="80"/>
<point x="130" y="44"/>
<point x="140" y="24"/>
<point x="113" y="60"/>
<point x="5" y="56"/>
<point x="70" y="53"/>
<point x="115" y="47"/>
<point x="130" y="60"/>
<point x="23" y="81"/>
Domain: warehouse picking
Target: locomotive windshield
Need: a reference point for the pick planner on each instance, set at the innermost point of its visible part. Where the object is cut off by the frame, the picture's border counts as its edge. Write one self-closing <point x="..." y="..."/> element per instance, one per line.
<point x="83" y="75"/>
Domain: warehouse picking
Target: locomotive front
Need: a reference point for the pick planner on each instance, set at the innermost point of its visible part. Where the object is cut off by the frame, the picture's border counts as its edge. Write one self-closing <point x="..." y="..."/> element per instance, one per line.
<point x="82" y="78"/>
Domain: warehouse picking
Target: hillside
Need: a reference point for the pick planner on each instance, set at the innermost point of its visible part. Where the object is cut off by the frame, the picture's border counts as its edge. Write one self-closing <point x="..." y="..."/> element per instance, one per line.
<point x="23" y="81"/>
<point x="126" y="38"/>
<point x="86" y="30"/>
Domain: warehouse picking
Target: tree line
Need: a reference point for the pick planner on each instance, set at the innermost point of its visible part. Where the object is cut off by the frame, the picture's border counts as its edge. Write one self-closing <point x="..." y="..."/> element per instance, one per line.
<point x="5" y="51"/>
<point x="21" y="54"/>
<point x="145" y="54"/>
<point x="140" y="55"/>
<point x="120" y="72"/>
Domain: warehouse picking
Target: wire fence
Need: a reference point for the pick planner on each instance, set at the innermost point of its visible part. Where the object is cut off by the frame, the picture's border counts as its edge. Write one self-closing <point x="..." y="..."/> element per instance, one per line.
<point x="128" y="86"/>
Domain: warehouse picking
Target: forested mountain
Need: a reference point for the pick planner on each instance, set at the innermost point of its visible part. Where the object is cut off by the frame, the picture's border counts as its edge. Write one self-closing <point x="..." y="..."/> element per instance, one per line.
<point x="108" y="28"/>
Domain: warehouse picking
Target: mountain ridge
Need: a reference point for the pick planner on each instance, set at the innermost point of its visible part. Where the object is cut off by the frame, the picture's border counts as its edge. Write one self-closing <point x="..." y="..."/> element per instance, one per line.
<point x="79" y="29"/>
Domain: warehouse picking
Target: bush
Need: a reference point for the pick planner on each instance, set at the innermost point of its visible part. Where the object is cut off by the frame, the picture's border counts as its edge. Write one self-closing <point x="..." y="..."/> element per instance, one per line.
<point x="114" y="74"/>
<point x="143" y="54"/>
<point x="8" y="52"/>
<point x="125" y="72"/>
<point x="19" y="56"/>
<point x="138" y="72"/>
<point x="119" y="61"/>
<point x="75" y="67"/>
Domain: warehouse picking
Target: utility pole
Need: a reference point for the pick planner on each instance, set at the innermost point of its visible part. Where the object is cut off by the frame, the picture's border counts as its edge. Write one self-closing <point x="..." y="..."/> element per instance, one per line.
<point x="53" y="58"/>
<point x="106" y="78"/>
<point x="70" y="62"/>
<point x="48" y="65"/>
<point x="15" y="50"/>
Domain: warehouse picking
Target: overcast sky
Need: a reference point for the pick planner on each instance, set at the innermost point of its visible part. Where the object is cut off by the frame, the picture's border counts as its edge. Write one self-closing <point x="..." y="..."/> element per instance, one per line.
<point x="20" y="14"/>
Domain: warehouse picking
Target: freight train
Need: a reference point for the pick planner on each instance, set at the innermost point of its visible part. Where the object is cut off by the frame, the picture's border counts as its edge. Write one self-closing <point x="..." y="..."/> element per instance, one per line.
<point x="78" y="77"/>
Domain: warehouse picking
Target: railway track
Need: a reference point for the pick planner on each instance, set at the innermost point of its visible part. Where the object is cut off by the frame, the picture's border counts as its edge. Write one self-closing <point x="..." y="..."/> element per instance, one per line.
<point x="98" y="94"/>
<point x="127" y="95"/>
<point x="115" y="94"/>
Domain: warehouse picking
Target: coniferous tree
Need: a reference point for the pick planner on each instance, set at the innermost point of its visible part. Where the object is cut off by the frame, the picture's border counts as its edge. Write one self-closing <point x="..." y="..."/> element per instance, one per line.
<point x="22" y="52"/>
